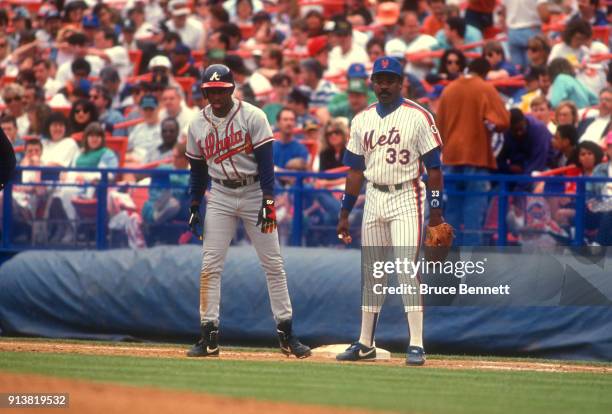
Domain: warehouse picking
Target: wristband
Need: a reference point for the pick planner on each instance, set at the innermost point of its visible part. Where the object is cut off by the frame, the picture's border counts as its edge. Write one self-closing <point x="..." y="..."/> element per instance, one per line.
<point x="348" y="201"/>
<point x="435" y="199"/>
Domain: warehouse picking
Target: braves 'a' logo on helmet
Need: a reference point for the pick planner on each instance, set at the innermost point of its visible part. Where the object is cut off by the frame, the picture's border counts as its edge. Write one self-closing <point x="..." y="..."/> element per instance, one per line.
<point x="215" y="76"/>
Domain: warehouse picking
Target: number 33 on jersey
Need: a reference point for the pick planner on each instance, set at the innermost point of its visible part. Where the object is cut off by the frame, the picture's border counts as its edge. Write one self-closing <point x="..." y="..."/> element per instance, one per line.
<point x="392" y="145"/>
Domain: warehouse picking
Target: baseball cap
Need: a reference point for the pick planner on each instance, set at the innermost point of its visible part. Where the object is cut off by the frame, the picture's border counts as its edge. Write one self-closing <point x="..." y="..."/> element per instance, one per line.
<point x="387" y="13"/>
<point x="316" y="44"/>
<point x="299" y="96"/>
<point x="178" y="8"/>
<point x="357" y="86"/>
<point x="160" y="61"/>
<point x="387" y="64"/>
<point x="52" y="14"/>
<point x="148" y="101"/>
<point x="109" y="74"/>
<point x="342" y="28"/>
<point x="396" y="48"/>
<point x="181" y="49"/>
<point x="311" y="125"/>
<point x="357" y="70"/>
<point x="21" y="13"/>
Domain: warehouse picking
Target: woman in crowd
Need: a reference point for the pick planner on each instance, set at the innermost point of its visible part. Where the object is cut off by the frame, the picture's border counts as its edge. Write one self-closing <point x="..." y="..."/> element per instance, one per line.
<point x="83" y="113"/>
<point x="565" y="86"/>
<point x="566" y="113"/>
<point x="538" y="49"/>
<point x="59" y="150"/>
<point x="336" y="137"/>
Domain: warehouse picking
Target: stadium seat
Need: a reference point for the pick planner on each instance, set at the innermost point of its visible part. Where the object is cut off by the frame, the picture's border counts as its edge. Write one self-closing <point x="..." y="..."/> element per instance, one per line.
<point x="186" y="83"/>
<point x="135" y="59"/>
<point x="120" y="146"/>
<point x="313" y="149"/>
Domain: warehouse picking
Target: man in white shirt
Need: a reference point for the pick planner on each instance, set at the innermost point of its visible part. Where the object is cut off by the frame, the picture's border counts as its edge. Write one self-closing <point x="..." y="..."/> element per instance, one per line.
<point x="146" y="136"/>
<point x="79" y="49"/>
<point x="413" y="41"/>
<point x="596" y="129"/>
<point x="41" y="69"/>
<point x="524" y="19"/>
<point x="345" y="50"/>
<point x="107" y="48"/>
<point x="189" y="28"/>
<point x="173" y="106"/>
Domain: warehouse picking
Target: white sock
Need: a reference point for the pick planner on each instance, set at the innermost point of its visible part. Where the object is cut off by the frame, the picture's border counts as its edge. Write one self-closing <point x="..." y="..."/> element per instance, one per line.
<point x="415" y="327"/>
<point x="368" y="326"/>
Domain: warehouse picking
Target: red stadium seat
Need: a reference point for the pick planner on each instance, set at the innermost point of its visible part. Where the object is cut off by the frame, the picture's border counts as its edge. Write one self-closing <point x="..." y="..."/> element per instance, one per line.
<point x="119" y="145"/>
<point x="186" y="83"/>
<point x="135" y="58"/>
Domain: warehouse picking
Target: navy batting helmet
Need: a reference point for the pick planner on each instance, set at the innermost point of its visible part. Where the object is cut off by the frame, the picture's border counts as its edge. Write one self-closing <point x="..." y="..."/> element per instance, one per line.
<point x="217" y="76"/>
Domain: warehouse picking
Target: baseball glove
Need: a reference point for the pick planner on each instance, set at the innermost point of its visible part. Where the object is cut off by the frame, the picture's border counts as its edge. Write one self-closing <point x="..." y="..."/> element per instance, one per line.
<point x="439" y="236"/>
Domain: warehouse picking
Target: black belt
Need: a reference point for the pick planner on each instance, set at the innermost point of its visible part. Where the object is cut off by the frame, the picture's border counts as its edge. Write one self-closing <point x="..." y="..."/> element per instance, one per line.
<point x="233" y="184"/>
<point x="393" y="187"/>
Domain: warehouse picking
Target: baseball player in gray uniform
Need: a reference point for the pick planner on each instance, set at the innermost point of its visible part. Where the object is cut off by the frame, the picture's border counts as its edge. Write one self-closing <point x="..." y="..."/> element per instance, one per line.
<point x="231" y="143"/>
<point x="389" y="143"/>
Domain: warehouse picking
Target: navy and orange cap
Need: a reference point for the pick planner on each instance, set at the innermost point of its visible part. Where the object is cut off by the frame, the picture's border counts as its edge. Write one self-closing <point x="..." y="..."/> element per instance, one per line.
<point x="387" y="64"/>
<point x="217" y="76"/>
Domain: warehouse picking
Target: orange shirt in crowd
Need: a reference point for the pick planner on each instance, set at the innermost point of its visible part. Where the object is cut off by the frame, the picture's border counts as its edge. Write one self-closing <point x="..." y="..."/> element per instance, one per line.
<point x="464" y="106"/>
<point x="431" y="25"/>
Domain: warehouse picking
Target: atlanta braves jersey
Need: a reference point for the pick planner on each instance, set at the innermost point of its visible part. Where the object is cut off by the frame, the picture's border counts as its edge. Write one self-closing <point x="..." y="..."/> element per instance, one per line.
<point x="392" y="145"/>
<point x="227" y="143"/>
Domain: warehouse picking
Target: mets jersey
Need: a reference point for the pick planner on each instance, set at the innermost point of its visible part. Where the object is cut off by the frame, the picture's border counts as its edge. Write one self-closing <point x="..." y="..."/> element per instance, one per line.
<point x="392" y="145"/>
<point x="227" y="143"/>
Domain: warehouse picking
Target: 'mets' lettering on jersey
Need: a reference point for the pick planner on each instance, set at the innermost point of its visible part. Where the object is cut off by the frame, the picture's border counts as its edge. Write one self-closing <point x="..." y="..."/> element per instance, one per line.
<point x="392" y="145"/>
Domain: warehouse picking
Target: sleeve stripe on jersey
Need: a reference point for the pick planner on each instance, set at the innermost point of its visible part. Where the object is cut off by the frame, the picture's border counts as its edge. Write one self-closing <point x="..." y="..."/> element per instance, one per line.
<point x="265" y="141"/>
<point x="356" y="162"/>
<point x="194" y="157"/>
<point x="430" y="121"/>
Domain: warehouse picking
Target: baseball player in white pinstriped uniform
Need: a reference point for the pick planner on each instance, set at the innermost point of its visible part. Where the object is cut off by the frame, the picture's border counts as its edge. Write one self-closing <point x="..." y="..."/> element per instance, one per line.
<point x="231" y="142"/>
<point x="389" y="143"/>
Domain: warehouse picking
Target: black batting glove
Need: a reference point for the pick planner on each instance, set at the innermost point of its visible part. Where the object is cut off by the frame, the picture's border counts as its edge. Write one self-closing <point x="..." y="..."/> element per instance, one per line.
<point x="195" y="221"/>
<point x="267" y="216"/>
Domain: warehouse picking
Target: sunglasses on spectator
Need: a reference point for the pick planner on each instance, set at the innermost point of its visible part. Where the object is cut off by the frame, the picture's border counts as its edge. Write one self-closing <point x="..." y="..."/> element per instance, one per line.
<point x="335" y="131"/>
<point x="81" y="111"/>
<point x="491" y="54"/>
<point x="453" y="61"/>
<point x="534" y="49"/>
<point x="10" y="99"/>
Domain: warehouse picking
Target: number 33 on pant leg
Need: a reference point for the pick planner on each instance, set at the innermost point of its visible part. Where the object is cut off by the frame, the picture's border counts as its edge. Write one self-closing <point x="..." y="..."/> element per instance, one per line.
<point x="267" y="216"/>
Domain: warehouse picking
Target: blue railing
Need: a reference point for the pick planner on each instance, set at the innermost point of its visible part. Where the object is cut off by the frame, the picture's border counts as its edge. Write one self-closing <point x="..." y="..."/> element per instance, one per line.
<point x="300" y="188"/>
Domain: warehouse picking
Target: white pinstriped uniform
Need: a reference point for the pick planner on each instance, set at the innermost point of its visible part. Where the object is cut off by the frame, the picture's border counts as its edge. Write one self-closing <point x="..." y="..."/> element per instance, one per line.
<point x="392" y="147"/>
<point x="227" y="146"/>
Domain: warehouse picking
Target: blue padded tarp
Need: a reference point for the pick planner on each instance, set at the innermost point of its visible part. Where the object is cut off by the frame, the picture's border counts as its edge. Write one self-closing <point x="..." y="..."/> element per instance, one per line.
<point x="153" y="294"/>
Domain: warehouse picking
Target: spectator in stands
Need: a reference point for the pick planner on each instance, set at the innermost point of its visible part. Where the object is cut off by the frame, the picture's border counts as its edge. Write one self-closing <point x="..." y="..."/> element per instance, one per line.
<point x="566" y="113"/>
<point x="479" y="14"/>
<point x="243" y="12"/>
<point x="182" y="66"/>
<point x="191" y="31"/>
<point x="234" y="35"/>
<point x="451" y="66"/>
<point x="565" y="143"/>
<point x="298" y="102"/>
<point x="83" y="112"/>
<point x="314" y="23"/>
<point x="524" y="19"/>
<point x="37" y="115"/>
<point x="264" y="32"/>
<point x="596" y="129"/>
<point x="481" y="108"/>
<point x="199" y="101"/>
<point x="8" y="123"/>
<point x="500" y="68"/>
<point x="375" y="48"/>
<point x="541" y="110"/>
<point x="289" y="154"/>
<point x="457" y="33"/>
<point x="590" y="155"/>
<point x="577" y="47"/>
<point x="107" y="48"/>
<point x="336" y="137"/>
<point x="44" y="80"/>
<point x="589" y="11"/>
<point x="538" y="49"/>
<point x="603" y="197"/>
<point x="251" y="89"/>
<point x="59" y="149"/>
<point x="344" y="49"/>
<point x="33" y="95"/>
<point x="174" y="106"/>
<point x="107" y="116"/>
<point x="322" y="91"/>
<point x="146" y="136"/>
<point x="12" y="96"/>
<point x="412" y="41"/>
<point x="565" y="86"/>
<point x="318" y="49"/>
<point x="109" y="77"/>
<point x="526" y="146"/>
<point x="95" y="153"/>
<point x="435" y="21"/>
<point x="357" y="99"/>
<point x="77" y="47"/>
<point x="218" y="17"/>
<point x="169" y="133"/>
<point x="74" y="11"/>
<point x="281" y="87"/>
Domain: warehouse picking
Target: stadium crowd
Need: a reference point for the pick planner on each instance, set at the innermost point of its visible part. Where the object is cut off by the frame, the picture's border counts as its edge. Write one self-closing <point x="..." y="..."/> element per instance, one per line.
<point x="516" y="86"/>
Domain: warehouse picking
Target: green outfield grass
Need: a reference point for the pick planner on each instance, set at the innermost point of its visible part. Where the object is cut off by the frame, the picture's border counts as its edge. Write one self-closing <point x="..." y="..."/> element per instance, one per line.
<point x="371" y="386"/>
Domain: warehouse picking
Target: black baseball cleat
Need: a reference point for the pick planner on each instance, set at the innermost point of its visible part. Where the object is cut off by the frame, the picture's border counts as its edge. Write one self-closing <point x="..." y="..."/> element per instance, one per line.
<point x="415" y="356"/>
<point x="357" y="352"/>
<point x="208" y="345"/>
<point x="289" y="344"/>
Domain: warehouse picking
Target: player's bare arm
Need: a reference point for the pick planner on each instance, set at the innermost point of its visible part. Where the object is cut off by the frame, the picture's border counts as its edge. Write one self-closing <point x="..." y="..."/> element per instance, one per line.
<point x="354" y="182"/>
